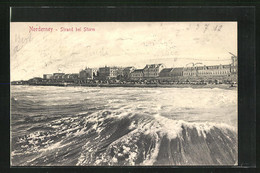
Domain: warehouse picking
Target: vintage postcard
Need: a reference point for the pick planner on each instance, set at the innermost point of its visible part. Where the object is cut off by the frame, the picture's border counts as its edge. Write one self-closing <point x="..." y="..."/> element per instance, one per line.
<point x="123" y="93"/>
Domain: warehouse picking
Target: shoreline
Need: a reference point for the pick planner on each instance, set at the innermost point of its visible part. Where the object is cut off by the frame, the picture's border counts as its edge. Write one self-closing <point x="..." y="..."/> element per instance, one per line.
<point x="193" y="86"/>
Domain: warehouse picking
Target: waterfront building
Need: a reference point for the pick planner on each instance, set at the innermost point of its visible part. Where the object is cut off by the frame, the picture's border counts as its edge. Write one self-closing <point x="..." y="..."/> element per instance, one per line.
<point x="58" y="75"/>
<point x="88" y="73"/>
<point x="104" y="72"/>
<point x="110" y="72"/>
<point x="47" y="76"/>
<point x="21" y="82"/>
<point x="166" y="72"/>
<point x="74" y="76"/>
<point x="171" y="73"/>
<point x="35" y="80"/>
<point x="152" y="70"/>
<point x="120" y="71"/>
<point x="137" y="74"/>
<point x="83" y="74"/>
<point x="70" y="77"/>
<point x="65" y="76"/>
<point x="189" y="71"/>
<point x="215" y="70"/>
<point x="127" y="71"/>
<point x="176" y="72"/>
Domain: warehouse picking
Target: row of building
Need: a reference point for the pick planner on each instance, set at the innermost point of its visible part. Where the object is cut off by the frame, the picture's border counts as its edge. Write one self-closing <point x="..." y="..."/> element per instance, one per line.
<point x="151" y="71"/>
<point x="94" y="73"/>
<point x="159" y="71"/>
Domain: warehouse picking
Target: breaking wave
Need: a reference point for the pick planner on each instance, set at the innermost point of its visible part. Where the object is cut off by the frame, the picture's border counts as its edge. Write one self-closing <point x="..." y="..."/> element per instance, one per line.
<point x="118" y="136"/>
<point x="109" y="138"/>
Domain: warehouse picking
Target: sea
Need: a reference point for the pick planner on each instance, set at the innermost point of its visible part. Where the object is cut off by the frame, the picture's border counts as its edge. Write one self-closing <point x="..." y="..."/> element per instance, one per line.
<point x="121" y="126"/>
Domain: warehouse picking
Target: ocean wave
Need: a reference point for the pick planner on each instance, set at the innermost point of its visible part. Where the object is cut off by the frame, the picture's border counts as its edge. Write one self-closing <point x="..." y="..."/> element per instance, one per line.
<point x="135" y="126"/>
<point x="112" y="138"/>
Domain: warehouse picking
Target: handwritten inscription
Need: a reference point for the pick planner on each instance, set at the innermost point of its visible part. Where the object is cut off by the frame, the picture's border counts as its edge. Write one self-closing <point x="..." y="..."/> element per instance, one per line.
<point x="21" y="41"/>
<point x="206" y="27"/>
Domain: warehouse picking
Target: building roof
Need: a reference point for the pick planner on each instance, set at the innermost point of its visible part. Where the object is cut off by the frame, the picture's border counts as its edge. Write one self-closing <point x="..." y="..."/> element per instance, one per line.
<point x="179" y="69"/>
<point x="87" y="68"/>
<point x="58" y="73"/>
<point x="112" y="67"/>
<point x="188" y="68"/>
<point x="227" y="66"/>
<point x="35" y="78"/>
<point x="200" y="67"/>
<point x="138" y="70"/>
<point x="128" y="68"/>
<point x="104" y="67"/>
<point x="153" y="65"/>
<point x="166" y="70"/>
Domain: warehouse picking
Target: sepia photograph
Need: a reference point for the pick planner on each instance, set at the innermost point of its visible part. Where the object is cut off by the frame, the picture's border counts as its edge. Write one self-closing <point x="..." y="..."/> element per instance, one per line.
<point x="123" y="93"/>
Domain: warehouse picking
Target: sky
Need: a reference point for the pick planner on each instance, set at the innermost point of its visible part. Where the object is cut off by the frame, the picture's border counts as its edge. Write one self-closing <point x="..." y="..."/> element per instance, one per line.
<point x="175" y="44"/>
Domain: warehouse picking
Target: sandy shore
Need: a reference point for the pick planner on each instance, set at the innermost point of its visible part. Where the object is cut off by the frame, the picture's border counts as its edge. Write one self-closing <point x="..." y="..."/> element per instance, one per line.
<point x="221" y="86"/>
